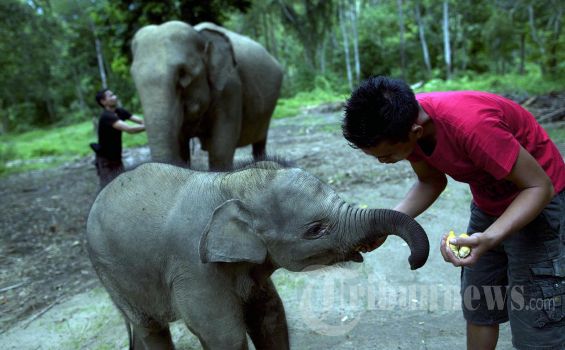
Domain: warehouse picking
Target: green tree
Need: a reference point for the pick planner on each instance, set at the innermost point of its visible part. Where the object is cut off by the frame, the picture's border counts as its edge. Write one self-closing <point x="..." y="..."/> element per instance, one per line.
<point x="31" y="67"/>
<point x="309" y="21"/>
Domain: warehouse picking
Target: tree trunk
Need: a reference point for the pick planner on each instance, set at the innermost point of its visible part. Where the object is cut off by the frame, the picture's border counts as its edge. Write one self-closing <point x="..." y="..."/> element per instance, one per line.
<point x="423" y="42"/>
<point x="345" y="45"/>
<point x="5" y="125"/>
<point x="353" y="19"/>
<point x="51" y="109"/>
<point x="522" y="52"/>
<point x="463" y="40"/>
<point x="458" y="40"/>
<point x="78" y="88"/>
<point x="265" y="31"/>
<point x="272" y="36"/>
<point x="99" y="57"/>
<point x="536" y="38"/>
<point x="322" y="56"/>
<point x="446" y="45"/>
<point x="554" y="43"/>
<point x="402" y="45"/>
<point x="309" y="46"/>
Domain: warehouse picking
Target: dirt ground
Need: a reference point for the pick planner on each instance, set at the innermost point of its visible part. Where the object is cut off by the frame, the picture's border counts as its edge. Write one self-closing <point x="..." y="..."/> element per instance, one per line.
<point x="50" y="297"/>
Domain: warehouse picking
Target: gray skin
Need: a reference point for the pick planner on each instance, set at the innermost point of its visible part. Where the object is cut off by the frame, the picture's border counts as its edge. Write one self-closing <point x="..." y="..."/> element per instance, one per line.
<point x="207" y="82"/>
<point x="170" y="243"/>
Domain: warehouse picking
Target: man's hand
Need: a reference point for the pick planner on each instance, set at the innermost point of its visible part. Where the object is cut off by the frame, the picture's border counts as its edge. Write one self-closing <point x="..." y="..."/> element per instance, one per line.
<point x="478" y="242"/>
<point x="136" y="119"/>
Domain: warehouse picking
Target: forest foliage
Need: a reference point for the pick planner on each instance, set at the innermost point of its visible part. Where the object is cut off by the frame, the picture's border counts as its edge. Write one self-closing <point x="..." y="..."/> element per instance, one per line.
<point x="55" y="54"/>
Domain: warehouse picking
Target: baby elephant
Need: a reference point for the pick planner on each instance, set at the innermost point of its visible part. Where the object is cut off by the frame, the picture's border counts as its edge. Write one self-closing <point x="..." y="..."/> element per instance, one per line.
<point x="170" y="243"/>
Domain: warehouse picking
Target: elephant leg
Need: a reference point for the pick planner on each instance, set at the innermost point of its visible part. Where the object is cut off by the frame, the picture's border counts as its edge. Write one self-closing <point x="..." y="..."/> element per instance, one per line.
<point x="184" y="151"/>
<point x="150" y="338"/>
<point x="259" y="149"/>
<point x="214" y="314"/>
<point x="184" y="145"/>
<point x="265" y="318"/>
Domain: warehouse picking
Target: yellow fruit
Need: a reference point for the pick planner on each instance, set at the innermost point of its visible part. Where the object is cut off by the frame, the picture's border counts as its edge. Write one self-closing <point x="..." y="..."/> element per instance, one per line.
<point x="453" y="247"/>
<point x="464" y="251"/>
<point x="460" y="252"/>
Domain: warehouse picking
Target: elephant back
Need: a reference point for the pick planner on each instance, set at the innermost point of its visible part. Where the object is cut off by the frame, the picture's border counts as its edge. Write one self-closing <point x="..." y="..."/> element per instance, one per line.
<point x="246" y="50"/>
<point x="259" y="71"/>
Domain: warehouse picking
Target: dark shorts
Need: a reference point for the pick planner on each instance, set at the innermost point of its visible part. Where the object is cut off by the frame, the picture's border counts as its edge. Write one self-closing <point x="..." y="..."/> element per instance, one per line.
<point x="107" y="169"/>
<point x="522" y="280"/>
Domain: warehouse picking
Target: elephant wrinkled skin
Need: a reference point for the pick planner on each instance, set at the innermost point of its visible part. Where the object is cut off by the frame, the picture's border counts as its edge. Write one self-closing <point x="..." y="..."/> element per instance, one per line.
<point x="170" y="243"/>
<point x="207" y="82"/>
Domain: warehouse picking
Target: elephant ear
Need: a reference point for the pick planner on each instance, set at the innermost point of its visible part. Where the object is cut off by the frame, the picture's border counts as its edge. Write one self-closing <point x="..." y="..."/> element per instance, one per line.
<point x="220" y="58"/>
<point x="230" y="237"/>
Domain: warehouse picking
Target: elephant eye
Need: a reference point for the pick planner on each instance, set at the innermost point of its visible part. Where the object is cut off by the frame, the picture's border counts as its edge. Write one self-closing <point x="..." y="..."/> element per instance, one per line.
<point x="316" y="230"/>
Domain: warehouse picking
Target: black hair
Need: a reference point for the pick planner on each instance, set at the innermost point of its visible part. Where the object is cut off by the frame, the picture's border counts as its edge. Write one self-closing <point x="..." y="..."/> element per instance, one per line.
<point x="380" y="109"/>
<point x="100" y="95"/>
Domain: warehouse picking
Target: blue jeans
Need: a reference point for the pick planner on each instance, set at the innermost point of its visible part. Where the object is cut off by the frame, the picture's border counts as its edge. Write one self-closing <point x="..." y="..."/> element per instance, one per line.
<point x="521" y="280"/>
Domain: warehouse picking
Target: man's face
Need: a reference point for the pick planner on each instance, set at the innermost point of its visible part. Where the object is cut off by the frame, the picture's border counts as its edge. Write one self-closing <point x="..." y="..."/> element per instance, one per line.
<point x="109" y="100"/>
<point x="388" y="152"/>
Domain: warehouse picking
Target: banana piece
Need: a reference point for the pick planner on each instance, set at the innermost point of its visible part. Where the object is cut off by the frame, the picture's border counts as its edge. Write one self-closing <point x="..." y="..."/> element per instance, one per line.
<point x="464" y="251"/>
<point x="453" y="247"/>
<point x="460" y="252"/>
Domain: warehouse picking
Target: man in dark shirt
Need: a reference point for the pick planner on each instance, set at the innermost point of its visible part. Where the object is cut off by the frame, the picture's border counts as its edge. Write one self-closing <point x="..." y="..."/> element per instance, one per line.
<point x="110" y="126"/>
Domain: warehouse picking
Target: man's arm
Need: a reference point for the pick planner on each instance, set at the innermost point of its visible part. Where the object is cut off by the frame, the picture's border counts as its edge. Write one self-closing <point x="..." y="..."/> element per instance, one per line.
<point x="136" y="120"/>
<point x="536" y="191"/>
<point x="431" y="182"/>
<point x="123" y="126"/>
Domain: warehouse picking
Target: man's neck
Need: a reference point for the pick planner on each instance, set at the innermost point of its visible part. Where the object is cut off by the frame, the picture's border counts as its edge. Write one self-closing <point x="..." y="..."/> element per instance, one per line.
<point x="428" y="139"/>
<point x="427" y="124"/>
<point x="110" y="108"/>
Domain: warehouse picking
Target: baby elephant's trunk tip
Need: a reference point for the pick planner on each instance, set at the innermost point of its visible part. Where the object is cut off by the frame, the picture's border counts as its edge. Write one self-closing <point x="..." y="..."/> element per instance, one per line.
<point x="399" y="224"/>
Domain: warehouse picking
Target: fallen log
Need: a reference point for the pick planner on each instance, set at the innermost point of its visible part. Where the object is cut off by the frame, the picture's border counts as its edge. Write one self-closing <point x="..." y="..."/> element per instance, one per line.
<point x="552" y="116"/>
<point x="529" y="101"/>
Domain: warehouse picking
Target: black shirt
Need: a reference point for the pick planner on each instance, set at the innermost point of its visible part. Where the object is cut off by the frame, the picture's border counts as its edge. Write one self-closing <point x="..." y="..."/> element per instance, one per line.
<point x="109" y="138"/>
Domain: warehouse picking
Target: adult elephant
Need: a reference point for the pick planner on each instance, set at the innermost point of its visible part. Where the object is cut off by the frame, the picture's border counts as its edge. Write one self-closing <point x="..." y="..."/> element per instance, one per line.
<point x="207" y="82"/>
<point x="170" y="243"/>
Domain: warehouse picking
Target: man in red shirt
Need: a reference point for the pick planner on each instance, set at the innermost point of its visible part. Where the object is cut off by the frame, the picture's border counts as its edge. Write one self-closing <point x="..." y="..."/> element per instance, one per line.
<point x="517" y="178"/>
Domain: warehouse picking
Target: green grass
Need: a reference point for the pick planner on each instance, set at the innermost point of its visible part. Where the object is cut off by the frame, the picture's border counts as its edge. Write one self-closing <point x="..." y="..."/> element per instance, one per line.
<point x="289" y="107"/>
<point x="556" y="134"/>
<point x="40" y="149"/>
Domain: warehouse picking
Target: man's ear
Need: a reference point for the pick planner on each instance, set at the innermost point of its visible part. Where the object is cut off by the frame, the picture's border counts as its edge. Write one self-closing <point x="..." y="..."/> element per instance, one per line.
<point x="230" y="236"/>
<point x="417" y="130"/>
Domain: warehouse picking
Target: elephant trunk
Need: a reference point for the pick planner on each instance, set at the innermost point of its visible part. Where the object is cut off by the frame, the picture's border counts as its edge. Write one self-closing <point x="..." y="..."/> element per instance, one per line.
<point x="163" y="119"/>
<point x="375" y="224"/>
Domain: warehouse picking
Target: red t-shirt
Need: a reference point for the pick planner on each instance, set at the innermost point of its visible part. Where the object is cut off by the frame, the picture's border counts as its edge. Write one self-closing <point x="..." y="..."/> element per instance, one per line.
<point x="478" y="137"/>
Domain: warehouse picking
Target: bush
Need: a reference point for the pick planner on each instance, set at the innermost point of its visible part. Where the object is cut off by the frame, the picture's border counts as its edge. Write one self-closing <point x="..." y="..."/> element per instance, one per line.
<point x="530" y="84"/>
<point x="7" y="153"/>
